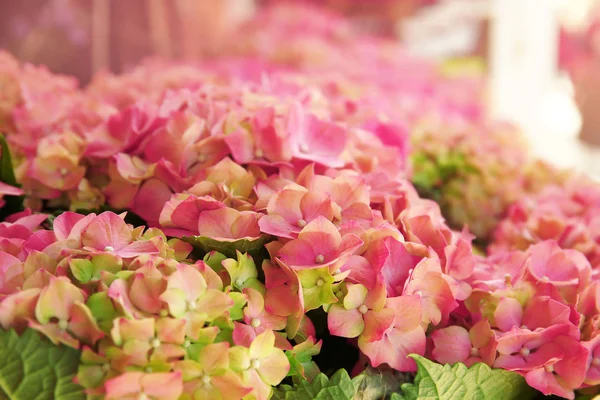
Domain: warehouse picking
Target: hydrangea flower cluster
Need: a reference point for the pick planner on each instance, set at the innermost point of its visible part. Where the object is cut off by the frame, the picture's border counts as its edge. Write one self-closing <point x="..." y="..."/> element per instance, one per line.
<point x="568" y="214"/>
<point x="278" y="213"/>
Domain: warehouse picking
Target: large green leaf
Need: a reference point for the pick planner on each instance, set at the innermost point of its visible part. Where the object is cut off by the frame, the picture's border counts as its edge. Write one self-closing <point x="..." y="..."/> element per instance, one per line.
<point x="457" y="382"/>
<point x="32" y="368"/>
<point x="338" y="387"/>
<point x="7" y="175"/>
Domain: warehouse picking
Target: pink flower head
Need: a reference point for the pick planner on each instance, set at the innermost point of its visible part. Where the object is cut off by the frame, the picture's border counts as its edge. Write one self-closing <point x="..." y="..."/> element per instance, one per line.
<point x="319" y="244"/>
<point x="562" y="268"/>
<point x="228" y="224"/>
<point x="562" y="373"/>
<point x="406" y="336"/>
<point x="290" y="210"/>
<point x="180" y="214"/>
<point x="109" y="233"/>
<point x="362" y="313"/>
<point x="524" y="350"/>
<point x="257" y="320"/>
<point x="315" y="140"/>
<point x="455" y="344"/>
<point x="125" y="132"/>
<point x="435" y="290"/>
<point x="261" y="140"/>
<point x="136" y="385"/>
<point x="395" y="260"/>
<point x="283" y="291"/>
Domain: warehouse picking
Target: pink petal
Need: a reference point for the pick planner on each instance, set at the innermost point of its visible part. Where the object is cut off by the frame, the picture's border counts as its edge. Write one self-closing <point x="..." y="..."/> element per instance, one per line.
<point x="394" y="348"/>
<point x="451" y="345"/>
<point x="508" y="314"/>
<point x="107" y="229"/>
<point x="137" y="248"/>
<point x="64" y="223"/>
<point x="345" y="323"/>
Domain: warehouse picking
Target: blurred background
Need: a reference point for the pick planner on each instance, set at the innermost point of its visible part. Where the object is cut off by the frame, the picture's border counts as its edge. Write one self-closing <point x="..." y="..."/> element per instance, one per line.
<point x="541" y="57"/>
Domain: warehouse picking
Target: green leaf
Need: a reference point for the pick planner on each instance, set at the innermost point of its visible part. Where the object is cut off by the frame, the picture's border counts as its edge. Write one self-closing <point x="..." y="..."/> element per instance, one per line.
<point x="7" y="175"/>
<point x="479" y="382"/>
<point x="379" y="383"/>
<point x="206" y="245"/>
<point x="338" y="387"/>
<point x="32" y="368"/>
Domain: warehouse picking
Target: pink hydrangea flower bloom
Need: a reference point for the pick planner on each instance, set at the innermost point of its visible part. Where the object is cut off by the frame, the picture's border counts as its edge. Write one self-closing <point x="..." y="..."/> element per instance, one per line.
<point x="319" y="244"/>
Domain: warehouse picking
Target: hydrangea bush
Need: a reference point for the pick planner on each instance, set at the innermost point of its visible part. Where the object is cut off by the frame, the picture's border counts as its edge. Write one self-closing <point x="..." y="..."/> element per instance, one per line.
<point x="247" y="228"/>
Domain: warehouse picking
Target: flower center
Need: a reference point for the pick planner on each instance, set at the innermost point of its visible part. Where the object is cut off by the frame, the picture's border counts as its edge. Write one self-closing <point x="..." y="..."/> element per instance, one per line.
<point x="143" y="396"/>
<point x="320" y="282"/>
<point x="258" y="153"/>
<point x="187" y="344"/>
<point x="64" y="171"/>
<point x="363" y="309"/>
<point x="206" y="380"/>
<point x="255" y="364"/>
<point x="239" y="282"/>
<point x="474" y="352"/>
<point x="304" y="148"/>
<point x="155" y="343"/>
<point x="545" y="278"/>
<point x="106" y="367"/>
<point x="524" y="352"/>
<point x="255" y="322"/>
<point x="301" y="223"/>
<point x="109" y="249"/>
<point x="163" y="313"/>
<point x="201" y="157"/>
<point x="63" y="324"/>
<point x="319" y="258"/>
<point x="191" y="305"/>
<point x="550" y="368"/>
<point x="339" y="294"/>
<point x="596" y="361"/>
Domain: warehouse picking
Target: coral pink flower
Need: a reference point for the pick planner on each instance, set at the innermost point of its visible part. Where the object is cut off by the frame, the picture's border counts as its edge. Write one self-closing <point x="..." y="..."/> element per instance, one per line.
<point x="406" y="336"/>
<point x="395" y="259"/>
<point x="108" y="232"/>
<point x="228" y="224"/>
<point x="562" y="373"/>
<point x="180" y="214"/>
<point x="257" y="320"/>
<point x="362" y="313"/>
<point x="261" y="140"/>
<point x="284" y="291"/>
<point x="319" y="244"/>
<point x="315" y="140"/>
<point x="136" y="385"/>
<point x="125" y="131"/>
<point x="432" y="286"/>
<point x="523" y="350"/>
<point x="456" y="344"/>
<point x="290" y="210"/>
